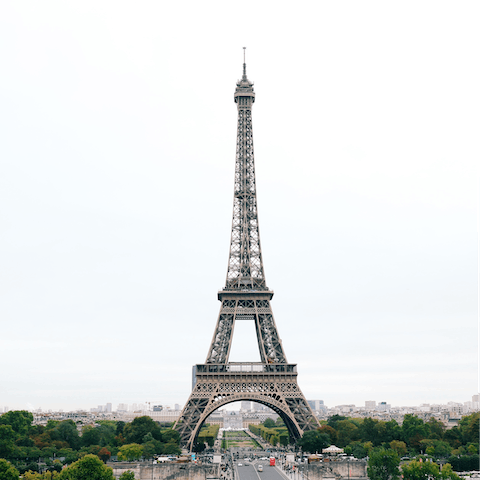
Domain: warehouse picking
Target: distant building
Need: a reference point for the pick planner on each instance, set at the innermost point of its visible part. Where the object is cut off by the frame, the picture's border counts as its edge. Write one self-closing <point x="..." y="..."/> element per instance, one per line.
<point x="108" y="408"/>
<point x="246" y="406"/>
<point x="383" y="407"/>
<point x="233" y="420"/>
<point x="158" y="408"/>
<point x="317" y="405"/>
<point x="370" y="404"/>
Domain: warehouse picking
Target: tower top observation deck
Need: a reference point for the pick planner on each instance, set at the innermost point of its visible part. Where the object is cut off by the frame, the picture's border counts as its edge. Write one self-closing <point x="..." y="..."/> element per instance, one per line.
<point x="244" y="95"/>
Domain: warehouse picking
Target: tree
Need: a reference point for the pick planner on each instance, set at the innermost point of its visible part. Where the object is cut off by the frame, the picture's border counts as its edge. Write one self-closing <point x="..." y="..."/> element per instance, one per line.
<point x="129" y="452"/>
<point x="416" y="470"/>
<point x="90" y="467"/>
<point x="447" y="473"/>
<point x="19" y="420"/>
<point x="7" y="441"/>
<point x="442" y="449"/>
<point x="90" y="436"/>
<point x="334" y="419"/>
<point x="314" y="441"/>
<point x="453" y="437"/>
<point x="269" y="423"/>
<point x="150" y="449"/>
<point x="383" y="465"/>
<point x="437" y="428"/>
<point x="279" y="422"/>
<point x="330" y="431"/>
<point x="104" y="454"/>
<point x="40" y="476"/>
<point x="347" y="432"/>
<point x="473" y="433"/>
<point x="171" y="448"/>
<point x="127" y="475"/>
<point x="66" y="431"/>
<point x="414" y="430"/>
<point x="399" y="446"/>
<point x="368" y="431"/>
<point x="107" y="432"/>
<point x="360" y="450"/>
<point x="135" y="431"/>
<point x="171" y="435"/>
<point x="119" y="428"/>
<point x="8" y="471"/>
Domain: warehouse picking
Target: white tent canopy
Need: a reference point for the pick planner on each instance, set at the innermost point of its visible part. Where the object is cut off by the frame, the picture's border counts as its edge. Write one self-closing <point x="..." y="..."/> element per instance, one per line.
<point x="332" y="449"/>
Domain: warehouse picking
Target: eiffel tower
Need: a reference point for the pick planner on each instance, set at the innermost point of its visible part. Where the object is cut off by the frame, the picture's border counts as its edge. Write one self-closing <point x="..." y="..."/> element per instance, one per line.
<point x="272" y="381"/>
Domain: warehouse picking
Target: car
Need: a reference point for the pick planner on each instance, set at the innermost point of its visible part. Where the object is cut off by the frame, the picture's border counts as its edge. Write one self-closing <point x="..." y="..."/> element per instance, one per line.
<point x="260" y="468"/>
<point x="240" y="465"/>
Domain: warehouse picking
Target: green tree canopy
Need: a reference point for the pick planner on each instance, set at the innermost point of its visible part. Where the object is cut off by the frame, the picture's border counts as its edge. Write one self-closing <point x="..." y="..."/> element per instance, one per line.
<point x="416" y="470"/>
<point x="135" y="431"/>
<point x="171" y="448"/>
<point x="66" y="431"/>
<point x="314" y="441"/>
<point x="119" y="428"/>
<point x="414" y="430"/>
<point x="399" y="446"/>
<point x="7" y="441"/>
<point x="8" y="471"/>
<point x="436" y="428"/>
<point x="169" y="435"/>
<point x="19" y="420"/>
<point x="129" y="452"/>
<point x="447" y="473"/>
<point x="90" y="467"/>
<point x="368" y="431"/>
<point x="90" y="436"/>
<point x="330" y="431"/>
<point x="383" y="465"/>
<point x="334" y="419"/>
<point x="269" y="423"/>
<point x="347" y="432"/>
<point x="127" y="475"/>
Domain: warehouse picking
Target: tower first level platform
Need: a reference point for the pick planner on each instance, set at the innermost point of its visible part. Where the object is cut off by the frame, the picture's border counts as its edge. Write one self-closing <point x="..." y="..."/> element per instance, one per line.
<point x="274" y="385"/>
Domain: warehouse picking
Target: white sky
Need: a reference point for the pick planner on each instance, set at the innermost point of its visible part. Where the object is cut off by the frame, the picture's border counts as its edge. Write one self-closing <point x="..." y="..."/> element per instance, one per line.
<point x="117" y="151"/>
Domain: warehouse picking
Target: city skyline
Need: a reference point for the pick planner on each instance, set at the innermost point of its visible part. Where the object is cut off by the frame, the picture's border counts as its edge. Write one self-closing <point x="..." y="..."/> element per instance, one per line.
<point x="117" y="178"/>
<point x="368" y="405"/>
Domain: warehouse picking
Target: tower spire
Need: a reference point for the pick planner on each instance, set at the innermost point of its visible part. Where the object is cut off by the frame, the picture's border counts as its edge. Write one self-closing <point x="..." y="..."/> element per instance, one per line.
<point x="244" y="65"/>
<point x="245" y="266"/>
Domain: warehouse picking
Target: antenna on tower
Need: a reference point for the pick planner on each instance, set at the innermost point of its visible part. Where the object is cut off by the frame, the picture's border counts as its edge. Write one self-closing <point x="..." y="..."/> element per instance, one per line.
<point x="244" y="64"/>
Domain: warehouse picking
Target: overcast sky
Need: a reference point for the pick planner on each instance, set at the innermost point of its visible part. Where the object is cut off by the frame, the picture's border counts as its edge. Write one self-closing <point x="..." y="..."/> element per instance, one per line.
<point x="117" y="151"/>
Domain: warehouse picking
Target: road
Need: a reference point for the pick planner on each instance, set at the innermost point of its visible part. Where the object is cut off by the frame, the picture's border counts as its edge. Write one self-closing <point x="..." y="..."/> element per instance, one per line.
<point x="249" y="471"/>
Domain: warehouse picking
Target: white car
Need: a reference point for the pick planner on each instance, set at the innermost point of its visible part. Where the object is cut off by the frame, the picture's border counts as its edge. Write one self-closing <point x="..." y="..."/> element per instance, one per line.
<point x="240" y="464"/>
<point x="260" y="468"/>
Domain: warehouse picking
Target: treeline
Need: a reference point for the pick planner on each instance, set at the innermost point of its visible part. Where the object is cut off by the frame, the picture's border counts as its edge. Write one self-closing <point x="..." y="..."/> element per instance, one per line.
<point x="59" y="442"/>
<point x="359" y="437"/>
<point x="275" y="433"/>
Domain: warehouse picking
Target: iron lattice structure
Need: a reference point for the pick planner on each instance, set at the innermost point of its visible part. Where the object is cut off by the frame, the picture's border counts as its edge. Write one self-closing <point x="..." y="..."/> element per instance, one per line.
<point x="272" y="381"/>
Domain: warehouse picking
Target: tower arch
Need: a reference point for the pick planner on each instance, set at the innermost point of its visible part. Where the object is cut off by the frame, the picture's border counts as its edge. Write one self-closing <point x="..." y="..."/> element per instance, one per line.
<point x="275" y="405"/>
